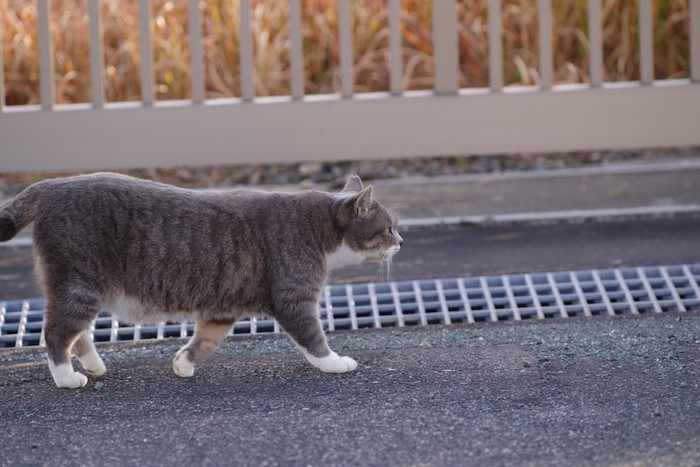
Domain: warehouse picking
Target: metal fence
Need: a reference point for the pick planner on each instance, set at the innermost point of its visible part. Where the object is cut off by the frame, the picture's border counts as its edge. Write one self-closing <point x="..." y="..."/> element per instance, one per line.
<point x="443" y="121"/>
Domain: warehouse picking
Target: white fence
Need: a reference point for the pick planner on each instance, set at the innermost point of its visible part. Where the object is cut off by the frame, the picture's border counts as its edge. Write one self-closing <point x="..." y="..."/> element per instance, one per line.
<point x="444" y="121"/>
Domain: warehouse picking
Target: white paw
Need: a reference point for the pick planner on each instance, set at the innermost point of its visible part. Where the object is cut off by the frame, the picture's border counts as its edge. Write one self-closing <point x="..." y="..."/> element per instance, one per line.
<point x="64" y="376"/>
<point x="333" y="363"/>
<point x="182" y="365"/>
<point x="93" y="364"/>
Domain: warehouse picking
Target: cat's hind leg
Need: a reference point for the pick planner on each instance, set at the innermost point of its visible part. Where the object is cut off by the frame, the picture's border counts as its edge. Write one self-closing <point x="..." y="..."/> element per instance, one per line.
<point x="87" y="355"/>
<point x="207" y="337"/>
<point x="64" y="323"/>
<point x="304" y="327"/>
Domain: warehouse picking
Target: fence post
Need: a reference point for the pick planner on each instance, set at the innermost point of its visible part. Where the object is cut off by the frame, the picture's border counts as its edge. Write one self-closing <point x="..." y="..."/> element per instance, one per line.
<point x="445" y="52"/>
<point x="2" y="76"/>
<point x="96" y="61"/>
<point x="345" y="43"/>
<point x="595" y="42"/>
<point x="395" y="47"/>
<point x="146" y="48"/>
<point x="544" y="14"/>
<point x="296" y="53"/>
<point x="46" y="74"/>
<point x="196" y="55"/>
<point x="646" y="44"/>
<point x="246" y="52"/>
<point x="694" y="7"/>
<point x="495" y="46"/>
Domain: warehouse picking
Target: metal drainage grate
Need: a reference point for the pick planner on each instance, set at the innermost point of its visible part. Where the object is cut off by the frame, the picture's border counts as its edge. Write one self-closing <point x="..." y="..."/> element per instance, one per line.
<point x="440" y="301"/>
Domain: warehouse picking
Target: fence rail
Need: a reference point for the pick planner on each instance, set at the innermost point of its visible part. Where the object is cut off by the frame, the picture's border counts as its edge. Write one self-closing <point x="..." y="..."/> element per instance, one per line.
<point x="443" y="121"/>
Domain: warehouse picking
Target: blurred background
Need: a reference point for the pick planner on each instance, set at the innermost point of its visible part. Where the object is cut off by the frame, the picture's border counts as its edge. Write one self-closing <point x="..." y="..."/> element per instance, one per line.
<point x="269" y="22"/>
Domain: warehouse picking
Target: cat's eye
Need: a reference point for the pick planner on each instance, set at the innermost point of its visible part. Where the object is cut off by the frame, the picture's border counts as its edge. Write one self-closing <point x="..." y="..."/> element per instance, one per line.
<point x="390" y="230"/>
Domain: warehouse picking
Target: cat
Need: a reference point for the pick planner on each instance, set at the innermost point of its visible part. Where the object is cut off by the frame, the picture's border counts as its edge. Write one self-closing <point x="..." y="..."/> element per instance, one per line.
<point x="151" y="252"/>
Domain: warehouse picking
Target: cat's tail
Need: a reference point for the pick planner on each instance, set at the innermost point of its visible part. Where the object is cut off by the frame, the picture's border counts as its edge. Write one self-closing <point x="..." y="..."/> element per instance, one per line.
<point x="18" y="212"/>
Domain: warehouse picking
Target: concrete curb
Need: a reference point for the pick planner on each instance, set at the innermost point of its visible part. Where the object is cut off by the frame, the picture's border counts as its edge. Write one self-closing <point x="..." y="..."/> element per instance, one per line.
<point x="554" y="217"/>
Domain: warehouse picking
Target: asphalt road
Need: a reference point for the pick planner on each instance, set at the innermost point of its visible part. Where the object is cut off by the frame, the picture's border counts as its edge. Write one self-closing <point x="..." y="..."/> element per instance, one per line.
<point x="605" y="391"/>
<point x="479" y="250"/>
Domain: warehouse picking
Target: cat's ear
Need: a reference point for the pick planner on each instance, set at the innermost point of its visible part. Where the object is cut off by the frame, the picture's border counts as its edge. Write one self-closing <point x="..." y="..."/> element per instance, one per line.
<point x="353" y="184"/>
<point x="363" y="202"/>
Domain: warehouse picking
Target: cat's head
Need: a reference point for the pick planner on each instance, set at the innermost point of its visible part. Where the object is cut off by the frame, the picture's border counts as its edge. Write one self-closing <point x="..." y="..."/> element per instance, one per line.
<point x="369" y="229"/>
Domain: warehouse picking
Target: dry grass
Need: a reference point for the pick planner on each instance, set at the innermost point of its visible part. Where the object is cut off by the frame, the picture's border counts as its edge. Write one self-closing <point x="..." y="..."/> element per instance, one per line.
<point x="18" y="23"/>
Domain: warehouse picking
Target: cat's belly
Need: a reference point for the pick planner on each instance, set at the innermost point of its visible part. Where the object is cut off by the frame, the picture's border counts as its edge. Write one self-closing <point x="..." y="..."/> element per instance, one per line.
<point x="133" y="311"/>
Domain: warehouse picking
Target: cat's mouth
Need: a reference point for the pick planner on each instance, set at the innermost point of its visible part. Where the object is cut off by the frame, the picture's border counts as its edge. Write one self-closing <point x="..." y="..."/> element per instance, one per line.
<point x="383" y="256"/>
<point x="392" y="250"/>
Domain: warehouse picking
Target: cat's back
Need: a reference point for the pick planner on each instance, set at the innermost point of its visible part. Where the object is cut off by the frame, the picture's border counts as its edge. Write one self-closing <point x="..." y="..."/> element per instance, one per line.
<point x="97" y="196"/>
<point x="114" y="208"/>
<point x="104" y="209"/>
<point x="101" y="188"/>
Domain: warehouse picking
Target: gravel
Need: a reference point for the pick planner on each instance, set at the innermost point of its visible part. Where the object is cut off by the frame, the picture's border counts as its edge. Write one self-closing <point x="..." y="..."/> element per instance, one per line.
<point x="330" y="175"/>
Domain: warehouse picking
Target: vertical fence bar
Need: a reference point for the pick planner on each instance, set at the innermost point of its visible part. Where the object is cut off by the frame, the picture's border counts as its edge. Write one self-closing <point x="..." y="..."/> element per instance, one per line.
<point x="445" y="52"/>
<point x="296" y="52"/>
<point x="646" y="45"/>
<point x="196" y="54"/>
<point x="495" y="46"/>
<point x="146" y="47"/>
<point x="544" y="12"/>
<point x="46" y="82"/>
<point x="345" y="39"/>
<point x="395" y="47"/>
<point x="246" y="53"/>
<point x="694" y="40"/>
<point x="595" y="42"/>
<point x="96" y="62"/>
<point x="2" y="76"/>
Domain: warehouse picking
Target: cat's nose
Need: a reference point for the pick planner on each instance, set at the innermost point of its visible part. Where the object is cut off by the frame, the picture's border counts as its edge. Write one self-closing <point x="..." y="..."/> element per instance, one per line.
<point x="400" y="242"/>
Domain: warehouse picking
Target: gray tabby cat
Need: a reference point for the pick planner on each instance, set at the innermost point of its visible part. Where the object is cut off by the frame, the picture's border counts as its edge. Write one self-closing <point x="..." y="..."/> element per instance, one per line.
<point x="151" y="252"/>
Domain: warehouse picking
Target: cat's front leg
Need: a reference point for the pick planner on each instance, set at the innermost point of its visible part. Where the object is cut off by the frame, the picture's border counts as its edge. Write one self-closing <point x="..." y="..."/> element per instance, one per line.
<point x="207" y="337"/>
<point x="303" y="325"/>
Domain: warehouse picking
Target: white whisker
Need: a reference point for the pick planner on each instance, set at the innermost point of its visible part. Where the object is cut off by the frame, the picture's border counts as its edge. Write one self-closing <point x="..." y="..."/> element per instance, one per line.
<point x="388" y="259"/>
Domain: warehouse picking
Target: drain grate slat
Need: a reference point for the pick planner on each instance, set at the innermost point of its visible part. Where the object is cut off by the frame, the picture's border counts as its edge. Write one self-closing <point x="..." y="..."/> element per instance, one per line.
<point x="672" y="289"/>
<point x="547" y="295"/>
<point x="464" y="309"/>
<point x="603" y="293"/>
<point x="535" y="297"/>
<point x="628" y="294"/>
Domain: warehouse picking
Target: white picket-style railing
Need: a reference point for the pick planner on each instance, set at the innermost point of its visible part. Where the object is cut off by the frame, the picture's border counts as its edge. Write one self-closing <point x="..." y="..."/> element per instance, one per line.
<point x="444" y="121"/>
